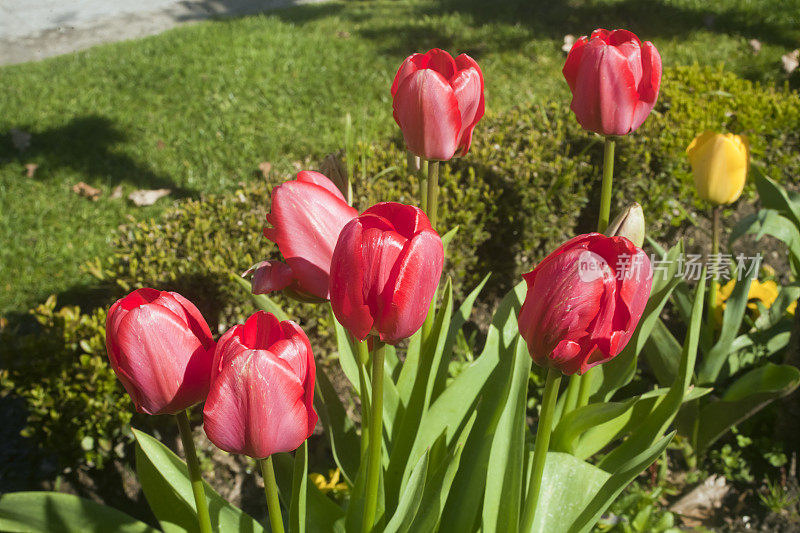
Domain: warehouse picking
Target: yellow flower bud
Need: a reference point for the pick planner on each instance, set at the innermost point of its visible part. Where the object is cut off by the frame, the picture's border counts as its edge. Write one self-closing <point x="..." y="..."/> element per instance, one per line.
<point x="719" y="164"/>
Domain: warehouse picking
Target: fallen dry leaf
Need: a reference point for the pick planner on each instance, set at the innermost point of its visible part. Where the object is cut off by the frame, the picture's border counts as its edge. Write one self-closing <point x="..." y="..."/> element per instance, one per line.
<point x="147" y="197"/>
<point x="569" y="40"/>
<point x="755" y="44"/>
<point x="116" y="194"/>
<point x="699" y="504"/>
<point x="87" y="191"/>
<point x="20" y="139"/>
<point x="265" y="168"/>
<point x="343" y="34"/>
<point x="160" y="145"/>
<point x="791" y="61"/>
<point x="30" y="169"/>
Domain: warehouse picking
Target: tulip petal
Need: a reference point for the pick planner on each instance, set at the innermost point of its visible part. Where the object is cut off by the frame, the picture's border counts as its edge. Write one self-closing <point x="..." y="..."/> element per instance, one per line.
<point x="194" y="319"/>
<point x="406" y="220"/>
<point x="321" y="180"/>
<point x="379" y="253"/>
<point x="410" y="288"/>
<point x="307" y="219"/>
<point x="649" y="85"/>
<point x="347" y="282"/>
<point x="261" y="330"/>
<point x="256" y="406"/>
<point x="412" y="63"/>
<point x="168" y="367"/>
<point x="270" y="276"/>
<point x="468" y="88"/>
<point x="442" y="62"/>
<point x="571" y="66"/>
<point x="426" y="109"/>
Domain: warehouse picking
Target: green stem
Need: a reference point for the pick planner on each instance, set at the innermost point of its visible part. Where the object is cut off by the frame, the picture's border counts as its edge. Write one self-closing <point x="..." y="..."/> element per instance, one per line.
<point x="271" y="492"/>
<point x="203" y="518"/>
<point x="423" y="184"/>
<point x="363" y="359"/>
<point x="541" y="446"/>
<point x="430" y="207"/>
<point x="375" y="438"/>
<point x="571" y="401"/>
<point x="713" y="288"/>
<point x="604" y="215"/>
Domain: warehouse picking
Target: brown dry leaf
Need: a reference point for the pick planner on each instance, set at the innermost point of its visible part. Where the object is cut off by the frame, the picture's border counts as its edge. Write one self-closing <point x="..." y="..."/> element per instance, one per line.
<point x="265" y="167"/>
<point x="116" y="194"/>
<point x="755" y="44"/>
<point x="147" y="197"/>
<point x="30" y="169"/>
<point x="791" y="61"/>
<point x="87" y="191"/>
<point x="160" y="145"/>
<point x="343" y="34"/>
<point x="569" y="40"/>
<point x="335" y="169"/>
<point x="699" y="504"/>
<point x="20" y="139"/>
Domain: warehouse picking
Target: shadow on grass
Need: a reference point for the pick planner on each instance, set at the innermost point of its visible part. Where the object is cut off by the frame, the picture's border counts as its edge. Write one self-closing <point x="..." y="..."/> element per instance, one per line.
<point x="85" y="145"/>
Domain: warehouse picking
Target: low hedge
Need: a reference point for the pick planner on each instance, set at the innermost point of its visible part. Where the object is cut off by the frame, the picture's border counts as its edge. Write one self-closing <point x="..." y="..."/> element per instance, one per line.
<point x="529" y="182"/>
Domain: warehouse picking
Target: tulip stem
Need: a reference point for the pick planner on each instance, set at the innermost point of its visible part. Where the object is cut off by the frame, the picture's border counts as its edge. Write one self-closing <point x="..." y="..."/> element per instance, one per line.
<point x="571" y="401"/>
<point x="713" y="287"/>
<point x="542" y="444"/>
<point x="203" y="518"/>
<point x="605" y="191"/>
<point x="375" y="438"/>
<point x="271" y="492"/>
<point x="423" y="184"/>
<point x="430" y="205"/>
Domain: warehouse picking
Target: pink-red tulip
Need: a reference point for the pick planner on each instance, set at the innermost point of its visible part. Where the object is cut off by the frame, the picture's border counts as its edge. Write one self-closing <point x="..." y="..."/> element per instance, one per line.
<point x="437" y="101"/>
<point x="614" y="79"/>
<point x="384" y="271"/>
<point x="161" y="349"/>
<point x="584" y="301"/>
<point x="307" y="215"/>
<point x="262" y="388"/>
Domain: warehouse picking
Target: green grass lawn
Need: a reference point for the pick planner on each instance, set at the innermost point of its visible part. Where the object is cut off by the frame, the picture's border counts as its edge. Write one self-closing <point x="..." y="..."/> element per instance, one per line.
<point x="197" y="108"/>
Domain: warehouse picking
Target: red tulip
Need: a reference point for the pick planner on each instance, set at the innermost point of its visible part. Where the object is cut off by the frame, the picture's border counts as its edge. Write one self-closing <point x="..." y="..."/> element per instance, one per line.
<point x="384" y="271"/>
<point x="584" y="301"/>
<point x="307" y="215"/>
<point x="614" y="79"/>
<point x="161" y="349"/>
<point x="262" y="388"/>
<point x="437" y="101"/>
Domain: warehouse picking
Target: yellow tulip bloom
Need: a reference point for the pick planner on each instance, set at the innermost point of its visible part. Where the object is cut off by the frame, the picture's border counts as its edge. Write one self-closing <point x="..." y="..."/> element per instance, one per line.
<point x="719" y="164"/>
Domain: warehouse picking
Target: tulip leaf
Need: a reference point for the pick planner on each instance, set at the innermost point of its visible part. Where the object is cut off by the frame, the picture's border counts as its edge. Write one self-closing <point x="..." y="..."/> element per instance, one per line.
<point x="652" y="428"/>
<point x="322" y="514"/>
<point x="663" y="354"/>
<point x="773" y="196"/>
<point x="348" y="358"/>
<point x="410" y="498"/>
<point x="566" y="436"/>
<point x="447" y="237"/>
<point x="732" y="318"/>
<point x="338" y="426"/>
<point x="297" y="509"/>
<point x="35" y="512"/>
<point x="262" y="301"/>
<point x="747" y="395"/>
<point x="568" y="486"/>
<point x="771" y="222"/>
<point x="608" y="492"/>
<point x="503" y="493"/>
<point x="166" y="485"/>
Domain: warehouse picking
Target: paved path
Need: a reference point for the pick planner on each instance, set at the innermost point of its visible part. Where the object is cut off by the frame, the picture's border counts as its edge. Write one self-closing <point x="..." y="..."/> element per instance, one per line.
<point x="34" y="29"/>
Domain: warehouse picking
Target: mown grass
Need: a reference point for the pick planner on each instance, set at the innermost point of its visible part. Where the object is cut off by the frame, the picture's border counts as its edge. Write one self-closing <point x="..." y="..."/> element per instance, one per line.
<point x="197" y="108"/>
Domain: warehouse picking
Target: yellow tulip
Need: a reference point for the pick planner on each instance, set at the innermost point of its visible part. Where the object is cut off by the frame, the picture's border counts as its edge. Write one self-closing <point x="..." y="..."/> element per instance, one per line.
<point x="719" y="164"/>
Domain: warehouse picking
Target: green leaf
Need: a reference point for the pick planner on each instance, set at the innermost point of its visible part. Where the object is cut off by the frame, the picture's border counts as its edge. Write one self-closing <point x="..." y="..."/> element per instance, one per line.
<point x="770" y="222"/>
<point x="410" y="499"/>
<point x="663" y="354"/>
<point x="46" y="512"/>
<point x="345" y="442"/>
<point x="568" y="486"/>
<point x="166" y="485"/>
<point x="262" y="301"/>
<point x="566" y="436"/>
<point x="348" y="358"/>
<point x="297" y="509"/>
<point x="322" y="514"/>
<point x="773" y="196"/>
<point x="732" y="318"/>
<point x="745" y="397"/>
<point x="503" y="493"/>
<point x="606" y="495"/>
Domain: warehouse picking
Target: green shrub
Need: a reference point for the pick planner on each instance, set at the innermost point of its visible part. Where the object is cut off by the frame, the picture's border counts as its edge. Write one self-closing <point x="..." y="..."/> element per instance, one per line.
<point x="529" y="182"/>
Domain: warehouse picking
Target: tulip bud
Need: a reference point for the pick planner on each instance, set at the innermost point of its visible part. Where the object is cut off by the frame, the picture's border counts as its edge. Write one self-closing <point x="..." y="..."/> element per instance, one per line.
<point x="584" y="301"/>
<point x="719" y="164"/>
<point x="262" y="388"/>
<point x="384" y="272"/>
<point x="161" y="349"/>
<point x="334" y="168"/>
<point x="307" y="215"/>
<point x="614" y="79"/>
<point x="437" y="101"/>
<point x="629" y="224"/>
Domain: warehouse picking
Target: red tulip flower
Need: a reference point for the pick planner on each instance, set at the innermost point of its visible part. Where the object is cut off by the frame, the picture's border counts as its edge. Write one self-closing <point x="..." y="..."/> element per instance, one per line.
<point x="262" y="388"/>
<point x="614" y="79"/>
<point x="307" y="215"/>
<point x="161" y="349"/>
<point x="437" y="101"/>
<point x="384" y="272"/>
<point x="584" y="301"/>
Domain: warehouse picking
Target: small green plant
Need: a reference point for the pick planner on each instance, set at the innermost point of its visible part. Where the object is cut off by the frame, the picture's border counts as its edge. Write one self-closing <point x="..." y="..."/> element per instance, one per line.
<point x="776" y="497"/>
